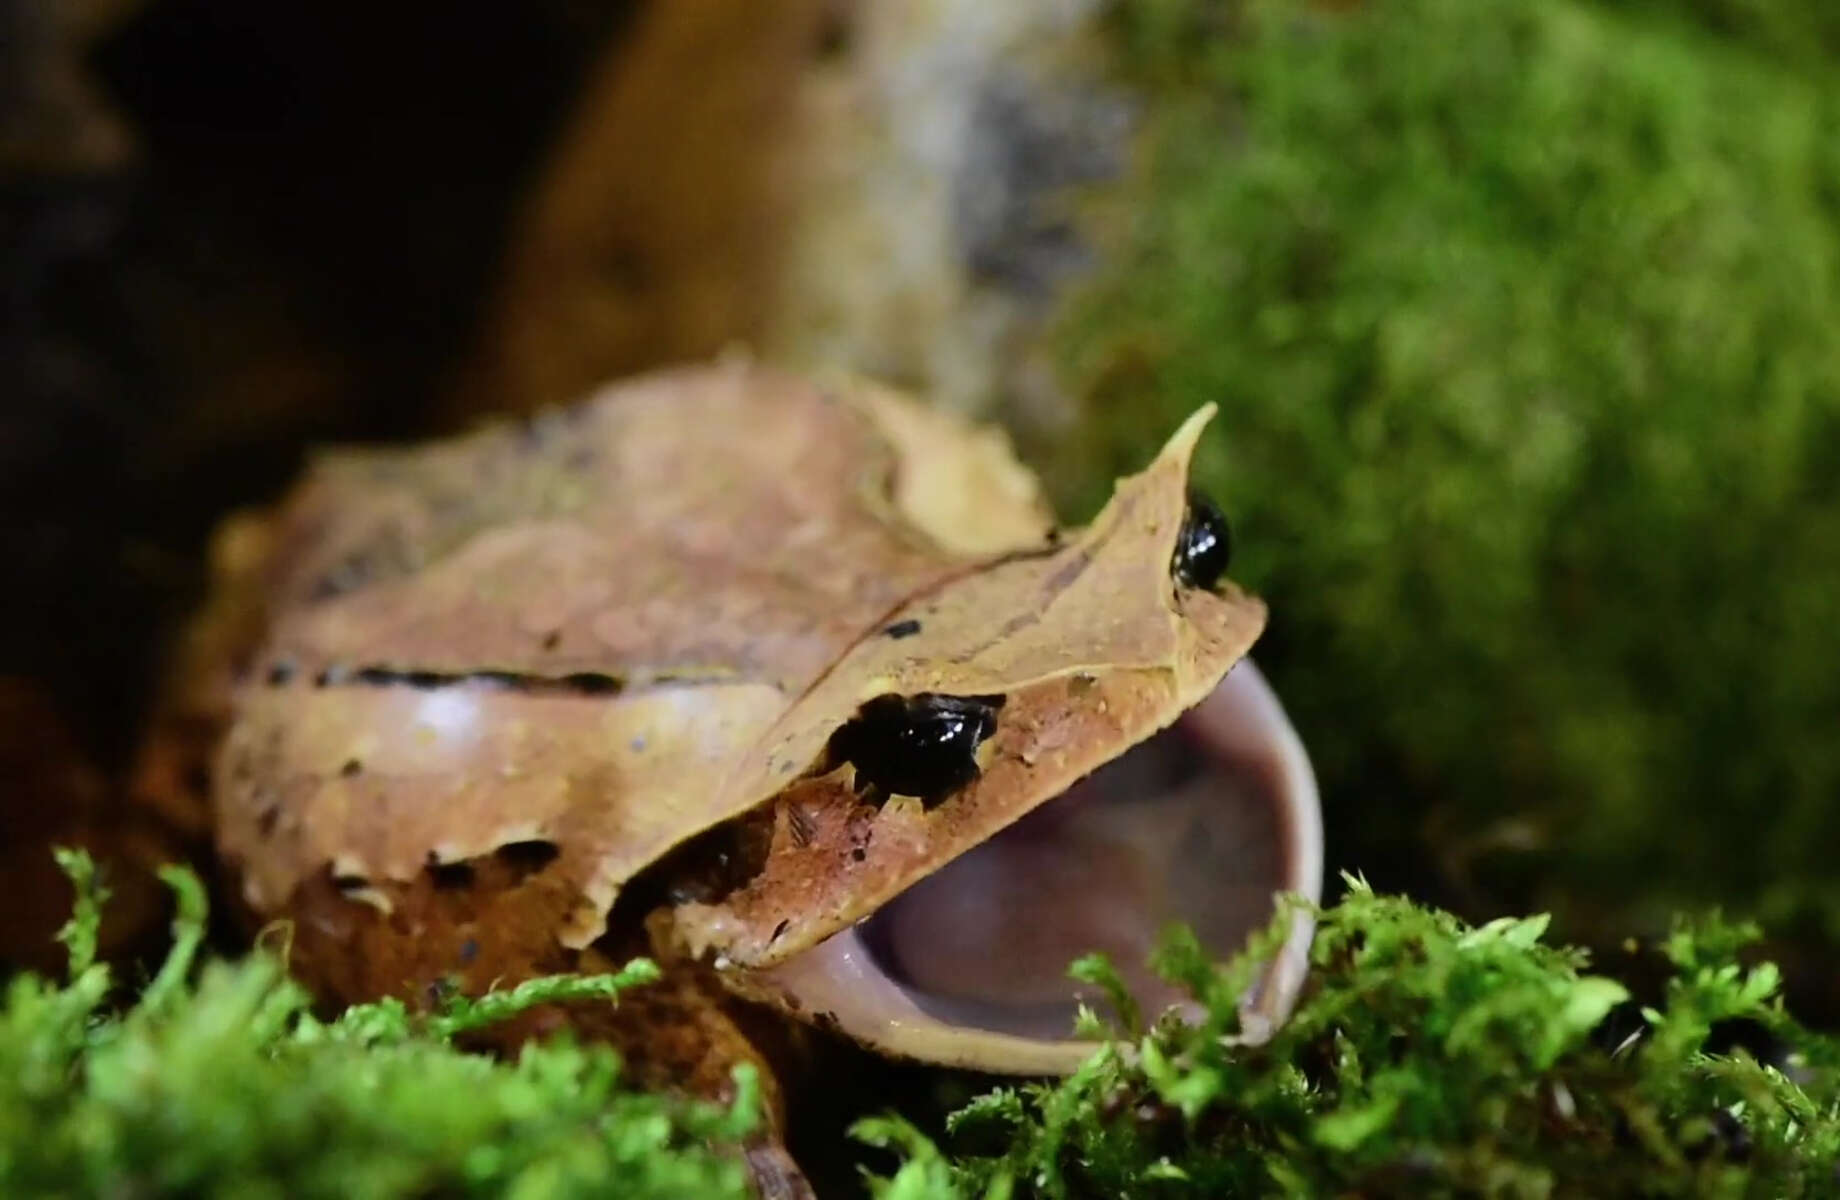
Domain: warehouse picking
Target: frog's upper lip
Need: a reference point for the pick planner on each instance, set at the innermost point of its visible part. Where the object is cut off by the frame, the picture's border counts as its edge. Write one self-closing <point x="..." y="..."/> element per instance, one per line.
<point x="1204" y="823"/>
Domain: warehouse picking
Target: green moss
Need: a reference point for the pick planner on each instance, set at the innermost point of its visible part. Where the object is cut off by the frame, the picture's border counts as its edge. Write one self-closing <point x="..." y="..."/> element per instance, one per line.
<point x="1521" y="316"/>
<point x="1427" y="1058"/>
<point x="224" y="1085"/>
<point x="1803" y="33"/>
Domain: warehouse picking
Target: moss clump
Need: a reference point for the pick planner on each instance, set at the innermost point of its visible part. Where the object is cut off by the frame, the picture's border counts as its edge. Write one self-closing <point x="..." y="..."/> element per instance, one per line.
<point x="228" y="1087"/>
<point x="1427" y="1058"/>
<point x="1802" y="33"/>
<point x="1521" y="316"/>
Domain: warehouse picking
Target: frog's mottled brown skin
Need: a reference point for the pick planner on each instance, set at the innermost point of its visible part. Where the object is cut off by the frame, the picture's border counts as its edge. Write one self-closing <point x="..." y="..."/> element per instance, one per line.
<point x="557" y="693"/>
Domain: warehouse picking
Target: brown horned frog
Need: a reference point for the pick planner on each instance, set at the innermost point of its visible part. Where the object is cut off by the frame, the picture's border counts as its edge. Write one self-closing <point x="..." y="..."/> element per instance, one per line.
<point x="793" y="688"/>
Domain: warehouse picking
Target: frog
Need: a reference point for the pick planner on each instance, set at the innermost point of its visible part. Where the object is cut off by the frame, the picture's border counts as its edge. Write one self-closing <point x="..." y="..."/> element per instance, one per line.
<point x="790" y="683"/>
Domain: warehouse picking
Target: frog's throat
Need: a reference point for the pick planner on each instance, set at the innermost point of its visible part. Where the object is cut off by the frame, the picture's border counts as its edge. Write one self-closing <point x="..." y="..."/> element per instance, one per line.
<point x="1206" y="823"/>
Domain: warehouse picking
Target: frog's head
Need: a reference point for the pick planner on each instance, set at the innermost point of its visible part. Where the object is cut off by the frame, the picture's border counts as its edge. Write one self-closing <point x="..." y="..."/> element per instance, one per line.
<point x="1058" y="751"/>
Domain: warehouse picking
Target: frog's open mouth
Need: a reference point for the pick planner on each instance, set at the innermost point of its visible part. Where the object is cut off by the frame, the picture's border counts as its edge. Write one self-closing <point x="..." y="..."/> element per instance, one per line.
<point x="1203" y="823"/>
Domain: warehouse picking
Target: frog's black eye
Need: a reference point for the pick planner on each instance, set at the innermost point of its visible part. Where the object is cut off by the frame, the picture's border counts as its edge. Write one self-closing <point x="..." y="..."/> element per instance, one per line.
<point x="922" y="745"/>
<point x="1204" y="545"/>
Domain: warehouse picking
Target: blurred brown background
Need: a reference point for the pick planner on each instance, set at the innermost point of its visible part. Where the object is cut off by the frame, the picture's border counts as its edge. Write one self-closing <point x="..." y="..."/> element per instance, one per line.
<point x="231" y="233"/>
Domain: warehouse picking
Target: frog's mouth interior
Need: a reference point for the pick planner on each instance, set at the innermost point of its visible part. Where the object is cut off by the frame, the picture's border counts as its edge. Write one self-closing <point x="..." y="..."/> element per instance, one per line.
<point x="1203" y="823"/>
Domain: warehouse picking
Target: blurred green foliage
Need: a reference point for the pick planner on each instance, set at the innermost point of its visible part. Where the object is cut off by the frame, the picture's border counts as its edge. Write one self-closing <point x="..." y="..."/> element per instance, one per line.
<point x="226" y="1086"/>
<point x="1805" y="33"/>
<point x="1427" y="1058"/>
<point x="1522" y="317"/>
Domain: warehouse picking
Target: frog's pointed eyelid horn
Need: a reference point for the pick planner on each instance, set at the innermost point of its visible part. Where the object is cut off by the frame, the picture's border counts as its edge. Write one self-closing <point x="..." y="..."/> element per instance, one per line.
<point x="1204" y="823"/>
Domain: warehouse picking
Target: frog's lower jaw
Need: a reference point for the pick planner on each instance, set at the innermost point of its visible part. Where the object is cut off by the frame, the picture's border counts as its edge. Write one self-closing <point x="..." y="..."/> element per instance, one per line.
<point x="1204" y="823"/>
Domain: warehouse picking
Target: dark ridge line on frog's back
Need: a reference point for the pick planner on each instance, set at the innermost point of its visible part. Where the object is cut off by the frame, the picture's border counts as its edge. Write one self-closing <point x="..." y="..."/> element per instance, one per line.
<point x="576" y="683"/>
<point x="598" y="683"/>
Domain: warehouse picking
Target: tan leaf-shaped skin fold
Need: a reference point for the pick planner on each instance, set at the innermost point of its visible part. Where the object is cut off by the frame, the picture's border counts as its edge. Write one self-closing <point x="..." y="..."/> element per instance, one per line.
<point x="608" y="608"/>
<point x="1090" y="647"/>
<point x="555" y="693"/>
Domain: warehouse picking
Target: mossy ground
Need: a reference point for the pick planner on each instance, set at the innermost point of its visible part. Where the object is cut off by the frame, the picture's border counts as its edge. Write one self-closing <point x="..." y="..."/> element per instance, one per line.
<point x="217" y="1082"/>
<point x="1426" y="1058"/>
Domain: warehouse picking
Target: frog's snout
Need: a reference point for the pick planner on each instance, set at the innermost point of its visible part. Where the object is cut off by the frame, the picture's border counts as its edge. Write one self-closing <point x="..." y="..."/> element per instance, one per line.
<point x="1205" y="823"/>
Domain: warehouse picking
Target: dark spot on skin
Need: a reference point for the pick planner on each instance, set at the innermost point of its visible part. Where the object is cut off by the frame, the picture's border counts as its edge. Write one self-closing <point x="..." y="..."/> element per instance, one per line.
<point x="420" y="680"/>
<point x="450" y="877"/>
<point x="469" y="950"/>
<point x="1060" y="581"/>
<point x="527" y="858"/>
<point x="329" y="585"/>
<point x="352" y="767"/>
<point x="901" y="629"/>
<point x="280" y="673"/>
<point x="801" y="825"/>
<point x="355" y="571"/>
<point x="778" y="931"/>
<point x="590" y="683"/>
<point x="552" y="639"/>
<point x="1204" y="546"/>
<point x="581" y="683"/>
<point x="923" y="745"/>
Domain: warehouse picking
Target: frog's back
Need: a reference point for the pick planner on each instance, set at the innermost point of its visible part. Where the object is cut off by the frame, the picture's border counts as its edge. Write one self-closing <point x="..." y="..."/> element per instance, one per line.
<point x="722" y="522"/>
<point x="565" y="631"/>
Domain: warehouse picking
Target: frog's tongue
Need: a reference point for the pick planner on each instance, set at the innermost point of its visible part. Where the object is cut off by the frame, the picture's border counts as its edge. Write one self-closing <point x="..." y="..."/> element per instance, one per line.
<point x="1202" y="824"/>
